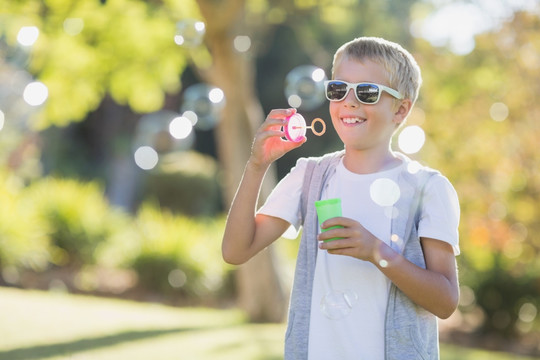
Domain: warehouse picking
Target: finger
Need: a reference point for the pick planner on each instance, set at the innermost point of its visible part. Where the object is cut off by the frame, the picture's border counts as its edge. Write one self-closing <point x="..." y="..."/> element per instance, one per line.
<point x="332" y="235"/>
<point x="281" y="113"/>
<point x="339" y="221"/>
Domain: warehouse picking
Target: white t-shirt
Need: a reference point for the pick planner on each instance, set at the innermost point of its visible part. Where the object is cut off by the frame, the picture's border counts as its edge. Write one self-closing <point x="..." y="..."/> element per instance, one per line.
<point x="350" y="295"/>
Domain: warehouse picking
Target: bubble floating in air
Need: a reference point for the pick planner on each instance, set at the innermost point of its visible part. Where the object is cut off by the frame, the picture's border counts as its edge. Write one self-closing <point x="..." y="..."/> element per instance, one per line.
<point x="160" y="133"/>
<point x="189" y="32"/>
<point x="146" y="157"/>
<point x="499" y="111"/>
<point x="338" y="304"/>
<point x="27" y="35"/>
<point x="73" y="26"/>
<point x="180" y="127"/>
<point x="304" y="87"/>
<point x="35" y="93"/>
<point x="411" y="139"/>
<point x="384" y="192"/>
<point x="206" y="102"/>
<point x="242" y="43"/>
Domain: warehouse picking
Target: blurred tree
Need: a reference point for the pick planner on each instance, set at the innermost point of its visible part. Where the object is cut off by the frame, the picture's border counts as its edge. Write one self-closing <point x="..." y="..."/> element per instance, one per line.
<point x="313" y="23"/>
<point x="482" y="129"/>
<point x="117" y="58"/>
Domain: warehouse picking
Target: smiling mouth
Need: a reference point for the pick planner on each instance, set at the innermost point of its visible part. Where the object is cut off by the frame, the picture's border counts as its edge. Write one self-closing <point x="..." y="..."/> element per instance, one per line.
<point x="353" y="120"/>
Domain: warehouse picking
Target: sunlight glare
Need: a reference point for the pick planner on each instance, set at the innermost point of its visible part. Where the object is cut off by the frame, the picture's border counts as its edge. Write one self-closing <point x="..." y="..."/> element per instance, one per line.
<point x="28" y="35"/>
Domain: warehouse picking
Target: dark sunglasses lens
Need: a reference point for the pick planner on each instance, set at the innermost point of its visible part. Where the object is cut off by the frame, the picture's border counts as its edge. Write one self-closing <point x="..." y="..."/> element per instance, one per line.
<point x="336" y="90"/>
<point x="367" y="93"/>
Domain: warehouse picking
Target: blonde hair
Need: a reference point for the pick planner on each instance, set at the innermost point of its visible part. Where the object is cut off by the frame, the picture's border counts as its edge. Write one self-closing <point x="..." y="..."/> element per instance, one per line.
<point x="403" y="71"/>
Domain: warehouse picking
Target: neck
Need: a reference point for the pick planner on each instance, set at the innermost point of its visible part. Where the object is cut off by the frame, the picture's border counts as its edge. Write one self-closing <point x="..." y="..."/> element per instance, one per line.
<point x="369" y="161"/>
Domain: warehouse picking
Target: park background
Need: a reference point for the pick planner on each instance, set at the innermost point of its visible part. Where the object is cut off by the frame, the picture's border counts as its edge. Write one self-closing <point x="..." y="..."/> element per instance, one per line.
<point x="125" y="126"/>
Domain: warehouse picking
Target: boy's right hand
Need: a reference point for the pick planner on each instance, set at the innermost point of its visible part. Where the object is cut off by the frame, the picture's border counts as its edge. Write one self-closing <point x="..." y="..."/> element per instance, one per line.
<point x="268" y="145"/>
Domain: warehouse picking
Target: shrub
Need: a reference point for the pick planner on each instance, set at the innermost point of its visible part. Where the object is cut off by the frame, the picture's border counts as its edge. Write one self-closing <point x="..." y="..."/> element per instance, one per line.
<point x="186" y="183"/>
<point x="178" y="254"/>
<point x="23" y="233"/>
<point x="78" y="217"/>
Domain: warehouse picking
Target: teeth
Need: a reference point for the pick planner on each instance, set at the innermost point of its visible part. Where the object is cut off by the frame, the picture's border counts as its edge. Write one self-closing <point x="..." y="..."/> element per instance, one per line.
<point x="353" y="120"/>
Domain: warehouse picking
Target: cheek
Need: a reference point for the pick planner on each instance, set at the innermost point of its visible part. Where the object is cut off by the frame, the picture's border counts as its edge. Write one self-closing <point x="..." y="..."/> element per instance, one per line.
<point x="333" y="110"/>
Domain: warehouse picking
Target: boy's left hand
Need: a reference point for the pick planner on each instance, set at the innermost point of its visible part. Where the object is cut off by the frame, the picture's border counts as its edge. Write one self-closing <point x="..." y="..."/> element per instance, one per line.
<point x="356" y="240"/>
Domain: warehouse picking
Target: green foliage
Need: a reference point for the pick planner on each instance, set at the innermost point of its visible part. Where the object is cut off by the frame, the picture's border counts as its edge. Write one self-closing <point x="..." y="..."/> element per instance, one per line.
<point x="177" y="253"/>
<point x="23" y="233"/>
<point x="187" y="183"/>
<point x="125" y="48"/>
<point x="66" y="223"/>
<point x="78" y="216"/>
<point x="488" y="154"/>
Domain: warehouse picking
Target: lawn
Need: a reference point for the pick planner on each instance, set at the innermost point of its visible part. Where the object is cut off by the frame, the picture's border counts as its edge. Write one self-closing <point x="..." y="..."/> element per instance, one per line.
<point x="54" y="326"/>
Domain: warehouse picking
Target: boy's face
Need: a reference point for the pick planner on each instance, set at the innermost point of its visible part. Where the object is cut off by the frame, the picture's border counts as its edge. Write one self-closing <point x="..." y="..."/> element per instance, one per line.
<point x="361" y="126"/>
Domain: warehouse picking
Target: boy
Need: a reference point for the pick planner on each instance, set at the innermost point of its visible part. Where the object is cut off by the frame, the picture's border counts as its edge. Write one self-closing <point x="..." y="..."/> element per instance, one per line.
<point x="375" y="292"/>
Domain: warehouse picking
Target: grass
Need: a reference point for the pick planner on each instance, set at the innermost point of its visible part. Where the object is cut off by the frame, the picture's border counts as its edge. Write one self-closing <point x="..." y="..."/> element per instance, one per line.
<point x="54" y="326"/>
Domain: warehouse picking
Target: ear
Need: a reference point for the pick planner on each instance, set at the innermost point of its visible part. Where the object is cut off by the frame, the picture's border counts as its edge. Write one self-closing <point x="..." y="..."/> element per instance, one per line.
<point x="402" y="109"/>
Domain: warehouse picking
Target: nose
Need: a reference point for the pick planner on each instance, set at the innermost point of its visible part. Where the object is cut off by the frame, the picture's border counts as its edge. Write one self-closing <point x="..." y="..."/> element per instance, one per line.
<point x="350" y="99"/>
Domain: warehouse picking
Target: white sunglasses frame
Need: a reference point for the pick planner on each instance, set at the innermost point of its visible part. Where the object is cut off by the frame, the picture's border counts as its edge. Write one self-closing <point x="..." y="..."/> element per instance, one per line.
<point x="353" y="86"/>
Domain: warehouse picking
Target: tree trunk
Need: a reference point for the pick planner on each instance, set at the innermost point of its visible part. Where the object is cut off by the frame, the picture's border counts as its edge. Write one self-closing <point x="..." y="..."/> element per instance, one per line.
<point x="260" y="292"/>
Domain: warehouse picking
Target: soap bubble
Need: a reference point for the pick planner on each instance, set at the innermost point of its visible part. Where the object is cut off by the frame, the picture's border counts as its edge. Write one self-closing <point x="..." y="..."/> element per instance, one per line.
<point x="189" y="32"/>
<point x="180" y="127"/>
<point x="73" y="26"/>
<point x="27" y="35"/>
<point x="164" y="131"/>
<point x="384" y="192"/>
<point x="411" y="139"/>
<point x="304" y="87"/>
<point x="206" y="102"/>
<point x="499" y="111"/>
<point x="242" y="43"/>
<point x="338" y="304"/>
<point x="146" y="157"/>
<point x="35" y="93"/>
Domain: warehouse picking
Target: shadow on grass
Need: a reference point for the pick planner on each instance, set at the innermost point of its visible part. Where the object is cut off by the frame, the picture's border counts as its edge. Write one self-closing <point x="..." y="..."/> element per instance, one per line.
<point x="71" y="347"/>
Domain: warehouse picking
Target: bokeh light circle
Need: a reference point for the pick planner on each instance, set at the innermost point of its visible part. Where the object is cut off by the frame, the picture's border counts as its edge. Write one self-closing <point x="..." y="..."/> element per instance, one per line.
<point x="499" y="111"/>
<point x="242" y="43"/>
<point x="384" y="192"/>
<point x="35" y="93"/>
<point x="180" y="127"/>
<point x="304" y="87"/>
<point x="73" y="26"/>
<point x="146" y="157"/>
<point x="411" y="139"/>
<point x="163" y="132"/>
<point x="189" y="32"/>
<point x="27" y="35"/>
<point x="206" y="102"/>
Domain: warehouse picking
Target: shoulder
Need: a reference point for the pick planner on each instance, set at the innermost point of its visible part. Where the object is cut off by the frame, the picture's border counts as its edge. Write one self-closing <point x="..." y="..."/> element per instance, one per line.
<point x="305" y="162"/>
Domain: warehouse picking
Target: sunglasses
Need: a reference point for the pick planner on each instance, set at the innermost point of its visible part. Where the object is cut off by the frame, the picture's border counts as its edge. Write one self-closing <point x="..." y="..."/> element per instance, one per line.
<point x="366" y="93"/>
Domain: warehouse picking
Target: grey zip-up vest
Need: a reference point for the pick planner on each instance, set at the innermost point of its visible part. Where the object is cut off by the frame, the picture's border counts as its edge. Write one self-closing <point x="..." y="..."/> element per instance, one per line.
<point x="410" y="331"/>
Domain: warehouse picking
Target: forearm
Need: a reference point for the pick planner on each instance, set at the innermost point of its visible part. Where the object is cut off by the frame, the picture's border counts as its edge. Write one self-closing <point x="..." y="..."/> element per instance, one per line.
<point x="436" y="292"/>
<point x="240" y="228"/>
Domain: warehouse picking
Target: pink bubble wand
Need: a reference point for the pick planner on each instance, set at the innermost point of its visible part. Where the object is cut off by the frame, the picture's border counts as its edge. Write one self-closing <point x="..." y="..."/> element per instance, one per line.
<point x="295" y="129"/>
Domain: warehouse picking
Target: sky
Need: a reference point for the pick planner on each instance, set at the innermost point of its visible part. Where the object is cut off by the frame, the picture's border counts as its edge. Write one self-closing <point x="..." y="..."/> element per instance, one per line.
<point x="455" y="23"/>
